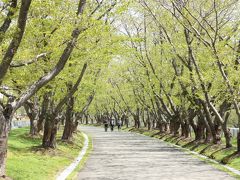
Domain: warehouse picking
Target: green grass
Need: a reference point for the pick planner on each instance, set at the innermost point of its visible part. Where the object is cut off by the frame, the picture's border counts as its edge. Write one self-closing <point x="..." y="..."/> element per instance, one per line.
<point x="26" y="160"/>
<point x="74" y="174"/>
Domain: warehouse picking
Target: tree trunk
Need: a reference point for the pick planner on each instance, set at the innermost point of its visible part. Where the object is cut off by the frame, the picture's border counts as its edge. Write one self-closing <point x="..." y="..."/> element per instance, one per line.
<point x="149" y="125"/>
<point x="228" y="137"/>
<point x="166" y="127"/>
<point x="136" y="121"/>
<point x="182" y="129"/>
<point x="238" y="142"/>
<point x="209" y="124"/>
<point x="31" y="109"/>
<point x="50" y="131"/>
<point x="92" y="120"/>
<point x="126" y="122"/>
<point x="217" y="138"/>
<point x="69" y="123"/>
<point x="33" y="127"/>
<point x="4" y="127"/>
<point x="171" y="126"/>
<point x="76" y="122"/>
<point x="226" y="131"/>
<point x="208" y="137"/>
<point x="136" y="118"/>
<point x="176" y="128"/>
<point x="148" y="120"/>
<point x="238" y="136"/>
<point x="44" y="107"/>
<point x="143" y="119"/>
<point x="199" y="131"/>
<point x="185" y="129"/>
<point x="161" y="126"/>
<point x="86" y="118"/>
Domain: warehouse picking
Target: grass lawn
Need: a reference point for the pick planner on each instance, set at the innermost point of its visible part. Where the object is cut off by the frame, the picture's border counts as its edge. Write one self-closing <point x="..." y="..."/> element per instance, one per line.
<point x="27" y="160"/>
<point x="74" y="174"/>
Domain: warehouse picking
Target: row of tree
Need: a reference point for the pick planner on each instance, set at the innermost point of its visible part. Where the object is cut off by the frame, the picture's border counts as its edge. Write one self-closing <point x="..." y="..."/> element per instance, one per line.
<point x="52" y="55"/>
<point x="180" y="69"/>
<point x="166" y="64"/>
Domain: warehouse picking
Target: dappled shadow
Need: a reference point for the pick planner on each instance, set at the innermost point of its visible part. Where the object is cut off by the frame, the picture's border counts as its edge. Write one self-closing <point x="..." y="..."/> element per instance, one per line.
<point x="191" y="143"/>
<point x="20" y="141"/>
<point x="204" y="149"/>
<point x="230" y="157"/>
<point x="155" y="134"/>
<point x="195" y="146"/>
<point x="163" y="135"/>
<point x="188" y="144"/>
<point x="180" y="139"/>
<point x="212" y="156"/>
<point x="45" y="151"/>
<point x="150" y="158"/>
<point x="132" y="129"/>
<point x="171" y="138"/>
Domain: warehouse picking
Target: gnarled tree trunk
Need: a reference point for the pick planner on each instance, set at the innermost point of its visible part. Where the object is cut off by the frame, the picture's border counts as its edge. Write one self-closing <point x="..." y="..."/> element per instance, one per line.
<point x="69" y="122"/>
<point x="4" y="125"/>
<point x="50" y="131"/>
<point x="5" y="121"/>
<point x="44" y="107"/>
<point x="32" y="111"/>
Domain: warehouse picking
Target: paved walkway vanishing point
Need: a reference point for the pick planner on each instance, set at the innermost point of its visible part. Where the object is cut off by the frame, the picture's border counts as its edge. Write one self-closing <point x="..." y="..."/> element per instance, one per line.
<point x="128" y="156"/>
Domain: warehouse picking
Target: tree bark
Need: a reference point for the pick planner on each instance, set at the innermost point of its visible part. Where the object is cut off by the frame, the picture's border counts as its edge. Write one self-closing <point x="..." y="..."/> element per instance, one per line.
<point x="5" y="120"/>
<point x="226" y="131"/>
<point x="148" y="120"/>
<point x="199" y="130"/>
<point x="3" y="142"/>
<point x="32" y="111"/>
<point x="44" y="107"/>
<point x="50" y="132"/>
<point x="69" y="122"/>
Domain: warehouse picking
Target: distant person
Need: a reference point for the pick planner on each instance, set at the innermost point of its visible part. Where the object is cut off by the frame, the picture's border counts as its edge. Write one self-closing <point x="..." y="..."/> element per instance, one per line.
<point x="105" y="122"/>
<point x="112" y="124"/>
<point x="119" y="124"/>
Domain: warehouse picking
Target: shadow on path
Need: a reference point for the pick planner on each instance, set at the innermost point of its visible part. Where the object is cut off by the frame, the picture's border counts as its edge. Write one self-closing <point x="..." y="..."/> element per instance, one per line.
<point x="128" y="156"/>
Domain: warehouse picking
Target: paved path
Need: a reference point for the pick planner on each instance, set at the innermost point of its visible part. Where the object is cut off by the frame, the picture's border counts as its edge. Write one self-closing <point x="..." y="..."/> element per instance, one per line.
<point x="128" y="156"/>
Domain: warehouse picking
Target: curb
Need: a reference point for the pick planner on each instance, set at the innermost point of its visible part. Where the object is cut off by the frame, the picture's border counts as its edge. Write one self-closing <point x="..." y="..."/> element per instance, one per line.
<point x="72" y="166"/>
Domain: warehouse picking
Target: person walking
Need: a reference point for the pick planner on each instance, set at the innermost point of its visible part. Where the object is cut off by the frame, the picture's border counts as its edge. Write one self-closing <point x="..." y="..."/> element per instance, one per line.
<point x="112" y="124"/>
<point x="119" y="124"/>
<point x="105" y="122"/>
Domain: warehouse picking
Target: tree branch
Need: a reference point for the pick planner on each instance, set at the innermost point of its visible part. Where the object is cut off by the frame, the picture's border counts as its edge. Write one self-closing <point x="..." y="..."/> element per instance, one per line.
<point x="55" y="71"/>
<point x="8" y="20"/>
<point x="40" y="56"/>
<point x="71" y="92"/>
<point x="15" y="43"/>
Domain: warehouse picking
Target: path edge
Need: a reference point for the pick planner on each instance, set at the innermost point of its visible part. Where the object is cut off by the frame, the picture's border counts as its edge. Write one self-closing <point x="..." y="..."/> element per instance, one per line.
<point x="228" y="169"/>
<point x="70" y="169"/>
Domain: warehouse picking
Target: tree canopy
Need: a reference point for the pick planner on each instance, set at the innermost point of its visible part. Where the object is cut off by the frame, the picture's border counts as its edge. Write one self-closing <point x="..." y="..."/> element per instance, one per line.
<point x="167" y="64"/>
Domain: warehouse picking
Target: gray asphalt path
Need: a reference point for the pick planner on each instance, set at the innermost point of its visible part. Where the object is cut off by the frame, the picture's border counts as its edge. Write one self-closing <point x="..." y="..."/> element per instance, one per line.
<point x="129" y="156"/>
